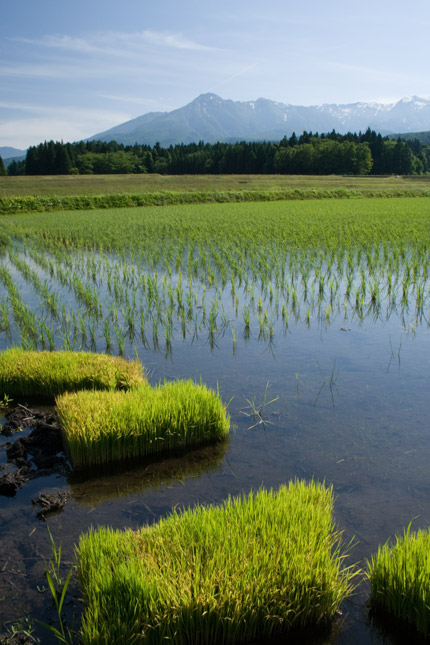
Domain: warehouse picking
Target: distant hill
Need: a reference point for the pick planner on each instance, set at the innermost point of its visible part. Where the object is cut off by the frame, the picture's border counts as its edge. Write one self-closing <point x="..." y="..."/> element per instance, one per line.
<point x="210" y="118"/>
<point x="6" y="152"/>
<point x="10" y="160"/>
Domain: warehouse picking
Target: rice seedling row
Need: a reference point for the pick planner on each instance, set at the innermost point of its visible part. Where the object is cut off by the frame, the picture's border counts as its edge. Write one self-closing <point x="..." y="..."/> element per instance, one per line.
<point x="182" y="280"/>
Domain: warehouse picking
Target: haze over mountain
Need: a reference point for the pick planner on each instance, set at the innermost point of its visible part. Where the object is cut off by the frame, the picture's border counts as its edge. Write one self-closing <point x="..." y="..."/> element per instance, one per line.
<point x="210" y="118"/>
<point x="6" y="152"/>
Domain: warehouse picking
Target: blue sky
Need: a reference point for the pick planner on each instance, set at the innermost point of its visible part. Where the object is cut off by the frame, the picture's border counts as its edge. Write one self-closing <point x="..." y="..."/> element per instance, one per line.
<point x="70" y="69"/>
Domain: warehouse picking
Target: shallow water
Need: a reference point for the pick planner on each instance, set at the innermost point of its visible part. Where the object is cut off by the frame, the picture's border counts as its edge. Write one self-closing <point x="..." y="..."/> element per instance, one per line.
<point x="344" y="402"/>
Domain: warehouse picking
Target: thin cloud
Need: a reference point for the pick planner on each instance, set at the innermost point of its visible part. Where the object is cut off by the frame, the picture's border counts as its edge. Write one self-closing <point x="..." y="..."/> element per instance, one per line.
<point x="233" y="76"/>
<point x="150" y="104"/>
<point x="116" y="43"/>
<point x="177" y="41"/>
<point x="68" y="43"/>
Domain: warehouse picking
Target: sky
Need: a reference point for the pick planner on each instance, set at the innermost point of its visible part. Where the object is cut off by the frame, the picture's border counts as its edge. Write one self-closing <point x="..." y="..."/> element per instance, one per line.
<point x="71" y="69"/>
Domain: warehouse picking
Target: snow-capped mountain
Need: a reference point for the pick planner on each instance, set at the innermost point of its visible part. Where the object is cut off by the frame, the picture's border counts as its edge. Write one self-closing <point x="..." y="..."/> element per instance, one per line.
<point x="210" y="118"/>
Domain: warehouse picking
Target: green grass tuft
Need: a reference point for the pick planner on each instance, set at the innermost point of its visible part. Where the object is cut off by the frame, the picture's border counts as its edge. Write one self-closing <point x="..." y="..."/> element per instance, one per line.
<point x="400" y="580"/>
<point x="255" y="567"/>
<point x="103" y="427"/>
<point x="46" y="374"/>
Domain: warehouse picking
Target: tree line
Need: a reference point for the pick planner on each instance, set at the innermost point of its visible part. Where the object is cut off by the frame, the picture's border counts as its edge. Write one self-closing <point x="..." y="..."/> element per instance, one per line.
<point x="309" y="154"/>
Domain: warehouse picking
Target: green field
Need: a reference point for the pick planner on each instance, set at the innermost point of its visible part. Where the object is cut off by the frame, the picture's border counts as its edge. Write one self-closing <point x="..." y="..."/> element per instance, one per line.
<point x="39" y="194"/>
<point x="257" y="297"/>
<point x="119" y="184"/>
<point x="221" y="267"/>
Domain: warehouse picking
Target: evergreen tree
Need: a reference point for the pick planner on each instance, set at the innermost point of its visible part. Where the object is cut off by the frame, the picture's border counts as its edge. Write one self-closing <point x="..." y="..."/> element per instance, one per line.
<point x="292" y="141"/>
<point x="63" y="164"/>
<point x="2" y="167"/>
<point x="330" y="153"/>
<point x="16" y="168"/>
<point x="32" y="161"/>
<point x="403" y="159"/>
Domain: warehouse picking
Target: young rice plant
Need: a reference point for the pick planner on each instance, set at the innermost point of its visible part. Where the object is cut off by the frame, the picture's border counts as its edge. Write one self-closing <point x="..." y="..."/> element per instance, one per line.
<point x="255" y="567"/>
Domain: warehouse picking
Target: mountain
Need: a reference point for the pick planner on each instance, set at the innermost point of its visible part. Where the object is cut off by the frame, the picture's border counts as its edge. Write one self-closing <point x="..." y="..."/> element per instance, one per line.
<point x="210" y="118"/>
<point x="6" y="152"/>
<point x="7" y="162"/>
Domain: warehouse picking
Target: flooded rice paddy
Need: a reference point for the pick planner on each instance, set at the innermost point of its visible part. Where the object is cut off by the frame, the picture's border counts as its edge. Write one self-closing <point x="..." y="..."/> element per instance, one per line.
<point x="311" y="318"/>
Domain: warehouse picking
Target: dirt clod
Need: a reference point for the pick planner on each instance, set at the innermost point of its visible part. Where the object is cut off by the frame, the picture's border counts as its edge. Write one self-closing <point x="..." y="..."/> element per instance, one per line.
<point x="39" y="453"/>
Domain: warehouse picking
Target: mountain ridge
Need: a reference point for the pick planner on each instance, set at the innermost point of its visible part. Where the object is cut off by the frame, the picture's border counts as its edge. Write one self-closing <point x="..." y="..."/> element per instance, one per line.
<point x="6" y="152"/>
<point x="210" y="118"/>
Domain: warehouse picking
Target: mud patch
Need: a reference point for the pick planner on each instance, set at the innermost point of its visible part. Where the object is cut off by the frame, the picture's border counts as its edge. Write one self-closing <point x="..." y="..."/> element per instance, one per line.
<point x="37" y="454"/>
<point x="50" y="504"/>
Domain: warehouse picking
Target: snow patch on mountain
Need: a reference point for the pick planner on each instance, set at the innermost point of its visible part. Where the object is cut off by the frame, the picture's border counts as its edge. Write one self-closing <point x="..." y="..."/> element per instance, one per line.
<point x="210" y="118"/>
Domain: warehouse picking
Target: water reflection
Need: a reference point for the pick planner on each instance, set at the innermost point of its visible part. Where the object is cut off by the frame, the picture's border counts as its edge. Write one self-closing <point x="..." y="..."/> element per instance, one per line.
<point x="92" y="489"/>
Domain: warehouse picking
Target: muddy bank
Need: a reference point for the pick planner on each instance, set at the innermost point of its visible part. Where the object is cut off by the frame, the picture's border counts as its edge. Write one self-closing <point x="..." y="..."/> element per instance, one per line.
<point x="36" y="454"/>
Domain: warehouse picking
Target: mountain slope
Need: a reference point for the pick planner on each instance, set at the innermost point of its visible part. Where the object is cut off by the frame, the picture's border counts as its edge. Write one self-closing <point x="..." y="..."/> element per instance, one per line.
<point x="7" y="152"/>
<point x="210" y="118"/>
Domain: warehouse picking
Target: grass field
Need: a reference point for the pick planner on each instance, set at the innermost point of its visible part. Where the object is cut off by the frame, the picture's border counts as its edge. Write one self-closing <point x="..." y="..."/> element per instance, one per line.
<point x="59" y="193"/>
<point x="119" y="184"/>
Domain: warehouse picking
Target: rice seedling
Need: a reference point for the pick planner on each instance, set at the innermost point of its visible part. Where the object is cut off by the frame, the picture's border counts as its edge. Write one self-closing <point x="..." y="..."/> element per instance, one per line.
<point x="99" y="428"/>
<point x="322" y="254"/>
<point x="246" y="318"/>
<point x="4" y="317"/>
<point x="4" y="242"/>
<point x="46" y="374"/>
<point x="259" y="565"/>
<point x="24" y="317"/>
<point x="155" y="334"/>
<point x="67" y="344"/>
<point x="399" y="576"/>
<point x="130" y="317"/>
<point x="92" y="329"/>
<point x="27" y="342"/>
<point x="234" y="336"/>
<point x="256" y="412"/>
<point x="168" y="331"/>
<point x="107" y="335"/>
<point x="58" y="588"/>
<point x="120" y="335"/>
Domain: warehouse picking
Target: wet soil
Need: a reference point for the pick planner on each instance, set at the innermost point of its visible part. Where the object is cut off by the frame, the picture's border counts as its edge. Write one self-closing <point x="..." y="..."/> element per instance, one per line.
<point x="37" y="454"/>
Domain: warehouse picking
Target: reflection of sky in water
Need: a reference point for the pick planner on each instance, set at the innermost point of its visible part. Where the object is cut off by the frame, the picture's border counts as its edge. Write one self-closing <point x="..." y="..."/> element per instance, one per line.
<point x="351" y="408"/>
